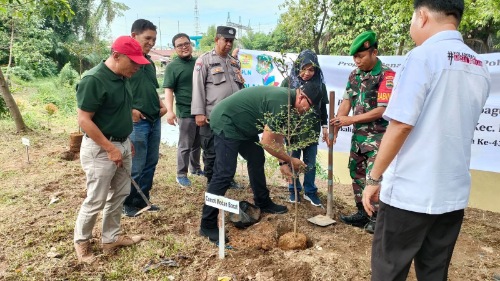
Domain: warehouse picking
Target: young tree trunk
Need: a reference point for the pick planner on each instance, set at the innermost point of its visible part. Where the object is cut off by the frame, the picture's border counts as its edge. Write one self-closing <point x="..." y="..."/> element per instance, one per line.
<point x="401" y="47"/>
<point x="11" y="104"/>
<point x="11" y="46"/>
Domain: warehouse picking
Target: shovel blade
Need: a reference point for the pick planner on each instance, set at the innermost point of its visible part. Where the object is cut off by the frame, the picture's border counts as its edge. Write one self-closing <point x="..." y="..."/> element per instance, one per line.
<point x="321" y="220"/>
<point x="142" y="210"/>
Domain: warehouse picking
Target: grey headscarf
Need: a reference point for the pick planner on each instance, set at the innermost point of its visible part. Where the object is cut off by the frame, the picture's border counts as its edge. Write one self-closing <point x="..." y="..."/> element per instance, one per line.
<point x="305" y="57"/>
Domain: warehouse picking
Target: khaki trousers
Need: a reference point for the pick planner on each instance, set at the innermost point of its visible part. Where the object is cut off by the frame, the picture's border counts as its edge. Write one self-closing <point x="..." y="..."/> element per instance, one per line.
<point x="107" y="188"/>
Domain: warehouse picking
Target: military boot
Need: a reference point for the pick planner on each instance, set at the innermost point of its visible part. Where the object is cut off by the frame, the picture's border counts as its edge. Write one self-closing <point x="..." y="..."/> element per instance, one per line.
<point x="358" y="219"/>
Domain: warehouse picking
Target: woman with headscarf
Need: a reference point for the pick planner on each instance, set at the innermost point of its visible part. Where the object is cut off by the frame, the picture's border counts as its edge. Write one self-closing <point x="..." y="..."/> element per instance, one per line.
<point x="306" y="69"/>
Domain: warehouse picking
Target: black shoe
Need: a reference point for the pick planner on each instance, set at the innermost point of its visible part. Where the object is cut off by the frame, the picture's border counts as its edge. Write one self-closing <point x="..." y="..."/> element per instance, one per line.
<point x="212" y="234"/>
<point x="273" y="208"/>
<point x="358" y="219"/>
<point x="130" y="211"/>
<point x="370" y="226"/>
<point x="235" y="185"/>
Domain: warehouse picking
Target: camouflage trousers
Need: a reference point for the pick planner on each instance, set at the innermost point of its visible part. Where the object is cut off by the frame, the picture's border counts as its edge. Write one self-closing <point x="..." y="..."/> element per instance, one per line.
<point x="360" y="164"/>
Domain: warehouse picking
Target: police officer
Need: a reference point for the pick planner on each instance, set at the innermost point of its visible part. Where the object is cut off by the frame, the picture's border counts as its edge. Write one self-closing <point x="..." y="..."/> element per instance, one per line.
<point x="367" y="94"/>
<point x="216" y="76"/>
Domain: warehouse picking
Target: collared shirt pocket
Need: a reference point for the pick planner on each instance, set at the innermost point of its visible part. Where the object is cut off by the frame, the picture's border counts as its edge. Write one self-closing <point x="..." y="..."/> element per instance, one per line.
<point x="217" y="75"/>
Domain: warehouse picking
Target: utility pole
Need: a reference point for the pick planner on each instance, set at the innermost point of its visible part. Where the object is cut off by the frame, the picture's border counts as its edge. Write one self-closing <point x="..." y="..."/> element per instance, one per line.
<point x="196" y="19"/>
<point x="159" y="31"/>
<point x="238" y="25"/>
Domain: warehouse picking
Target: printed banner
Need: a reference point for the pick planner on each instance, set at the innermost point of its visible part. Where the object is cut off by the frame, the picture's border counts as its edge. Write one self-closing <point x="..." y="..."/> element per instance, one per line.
<point x="259" y="68"/>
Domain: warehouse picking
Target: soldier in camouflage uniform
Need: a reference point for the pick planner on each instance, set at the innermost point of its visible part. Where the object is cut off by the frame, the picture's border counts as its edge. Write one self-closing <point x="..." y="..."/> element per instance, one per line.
<point x="367" y="94"/>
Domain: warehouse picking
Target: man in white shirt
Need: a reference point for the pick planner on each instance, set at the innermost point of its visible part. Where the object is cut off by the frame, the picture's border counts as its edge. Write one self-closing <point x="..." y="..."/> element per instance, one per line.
<point x="439" y="93"/>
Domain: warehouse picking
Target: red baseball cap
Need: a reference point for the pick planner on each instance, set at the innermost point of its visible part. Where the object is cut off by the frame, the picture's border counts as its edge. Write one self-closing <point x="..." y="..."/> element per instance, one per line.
<point x="130" y="47"/>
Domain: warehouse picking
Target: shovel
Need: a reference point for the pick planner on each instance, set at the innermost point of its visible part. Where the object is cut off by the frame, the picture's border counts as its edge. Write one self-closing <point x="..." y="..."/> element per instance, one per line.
<point x="140" y="192"/>
<point x="323" y="220"/>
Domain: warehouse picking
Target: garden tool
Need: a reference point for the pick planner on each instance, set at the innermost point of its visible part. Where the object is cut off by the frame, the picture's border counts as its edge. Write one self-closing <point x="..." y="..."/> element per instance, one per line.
<point x="140" y="192"/>
<point x="323" y="220"/>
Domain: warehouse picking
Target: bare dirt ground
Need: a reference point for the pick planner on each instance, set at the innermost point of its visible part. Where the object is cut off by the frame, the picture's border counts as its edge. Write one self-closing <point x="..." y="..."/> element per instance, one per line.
<point x="36" y="237"/>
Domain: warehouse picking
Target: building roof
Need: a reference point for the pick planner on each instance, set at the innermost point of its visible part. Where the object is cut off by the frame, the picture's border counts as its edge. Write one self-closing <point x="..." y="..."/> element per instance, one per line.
<point x="161" y="55"/>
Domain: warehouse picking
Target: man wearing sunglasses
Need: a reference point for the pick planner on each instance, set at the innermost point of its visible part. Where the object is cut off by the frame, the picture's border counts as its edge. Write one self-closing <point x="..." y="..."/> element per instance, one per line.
<point x="237" y="122"/>
<point x="178" y="82"/>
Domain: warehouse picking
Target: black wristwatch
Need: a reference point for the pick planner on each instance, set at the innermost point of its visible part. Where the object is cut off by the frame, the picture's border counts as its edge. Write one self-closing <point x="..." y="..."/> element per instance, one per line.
<point x="371" y="181"/>
<point x="282" y="163"/>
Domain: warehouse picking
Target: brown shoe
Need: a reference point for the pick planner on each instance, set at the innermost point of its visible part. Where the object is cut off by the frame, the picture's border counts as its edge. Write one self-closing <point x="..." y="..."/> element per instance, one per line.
<point x="84" y="252"/>
<point x="122" y="241"/>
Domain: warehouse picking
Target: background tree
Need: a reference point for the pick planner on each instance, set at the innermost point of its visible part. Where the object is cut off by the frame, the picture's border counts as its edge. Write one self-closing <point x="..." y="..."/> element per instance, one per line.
<point x="57" y="8"/>
<point x="207" y="41"/>
<point x="89" y="26"/>
<point x="257" y="41"/>
<point x="280" y="39"/>
<point x="481" y="25"/>
<point x="84" y="50"/>
<point x="305" y="23"/>
<point x="32" y="49"/>
<point x="105" y="13"/>
<point x="343" y="20"/>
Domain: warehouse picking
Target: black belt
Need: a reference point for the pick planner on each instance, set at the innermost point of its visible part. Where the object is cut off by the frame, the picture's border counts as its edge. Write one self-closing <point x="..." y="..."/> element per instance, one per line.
<point x="111" y="138"/>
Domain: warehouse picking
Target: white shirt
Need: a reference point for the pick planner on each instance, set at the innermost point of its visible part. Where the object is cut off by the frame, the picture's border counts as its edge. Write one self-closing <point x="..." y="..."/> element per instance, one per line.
<point x="440" y="89"/>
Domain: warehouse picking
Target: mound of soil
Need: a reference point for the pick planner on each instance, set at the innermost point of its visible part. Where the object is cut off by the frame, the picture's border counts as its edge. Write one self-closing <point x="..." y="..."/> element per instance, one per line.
<point x="292" y="241"/>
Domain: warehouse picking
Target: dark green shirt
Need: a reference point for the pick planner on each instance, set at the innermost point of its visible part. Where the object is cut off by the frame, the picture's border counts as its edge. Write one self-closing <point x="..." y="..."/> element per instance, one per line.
<point x="144" y="85"/>
<point x="109" y="96"/>
<point x="179" y="77"/>
<point x="243" y="115"/>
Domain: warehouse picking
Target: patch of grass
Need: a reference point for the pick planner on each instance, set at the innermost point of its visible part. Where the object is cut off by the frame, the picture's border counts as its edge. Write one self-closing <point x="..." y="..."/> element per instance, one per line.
<point x="9" y="197"/>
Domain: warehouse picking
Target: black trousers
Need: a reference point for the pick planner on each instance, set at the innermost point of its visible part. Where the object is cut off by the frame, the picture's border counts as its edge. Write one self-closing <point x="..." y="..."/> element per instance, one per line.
<point x="402" y="236"/>
<point x="226" y="161"/>
<point x="207" y="144"/>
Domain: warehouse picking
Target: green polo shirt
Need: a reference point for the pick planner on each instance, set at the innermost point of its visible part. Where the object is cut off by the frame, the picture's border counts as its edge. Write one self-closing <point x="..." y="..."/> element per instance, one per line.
<point x="144" y="85"/>
<point x="179" y="77"/>
<point x="243" y="115"/>
<point x="109" y="96"/>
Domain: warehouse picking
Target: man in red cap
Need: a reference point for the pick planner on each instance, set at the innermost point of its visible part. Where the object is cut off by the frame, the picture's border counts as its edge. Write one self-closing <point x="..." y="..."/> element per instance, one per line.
<point x="105" y="115"/>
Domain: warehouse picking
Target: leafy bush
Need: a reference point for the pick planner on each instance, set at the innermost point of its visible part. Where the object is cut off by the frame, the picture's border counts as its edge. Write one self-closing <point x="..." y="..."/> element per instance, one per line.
<point x="44" y="67"/>
<point x="32" y="120"/>
<point x="62" y="96"/>
<point x="68" y="75"/>
<point x="21" y="73"/>
<point x="4" y="111"/>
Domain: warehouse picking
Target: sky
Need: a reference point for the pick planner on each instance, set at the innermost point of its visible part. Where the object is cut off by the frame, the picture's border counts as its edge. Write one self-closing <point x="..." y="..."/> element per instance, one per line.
<point x="173" y="17"/>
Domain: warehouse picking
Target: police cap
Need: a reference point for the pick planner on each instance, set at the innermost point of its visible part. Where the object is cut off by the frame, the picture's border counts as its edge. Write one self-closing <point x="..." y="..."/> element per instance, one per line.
<point x="226" y="31"/>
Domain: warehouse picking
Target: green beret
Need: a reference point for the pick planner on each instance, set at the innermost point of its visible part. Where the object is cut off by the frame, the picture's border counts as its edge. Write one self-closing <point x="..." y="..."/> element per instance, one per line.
<point x="363" y="42"/>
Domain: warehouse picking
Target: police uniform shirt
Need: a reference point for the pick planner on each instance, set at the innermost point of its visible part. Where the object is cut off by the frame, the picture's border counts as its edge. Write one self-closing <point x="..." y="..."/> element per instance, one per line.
<point x="214" y="79"/>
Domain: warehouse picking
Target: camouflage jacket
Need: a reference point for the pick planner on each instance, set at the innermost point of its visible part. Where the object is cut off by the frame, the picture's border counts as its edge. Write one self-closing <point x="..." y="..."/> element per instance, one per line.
<point x="367" y="91"/>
